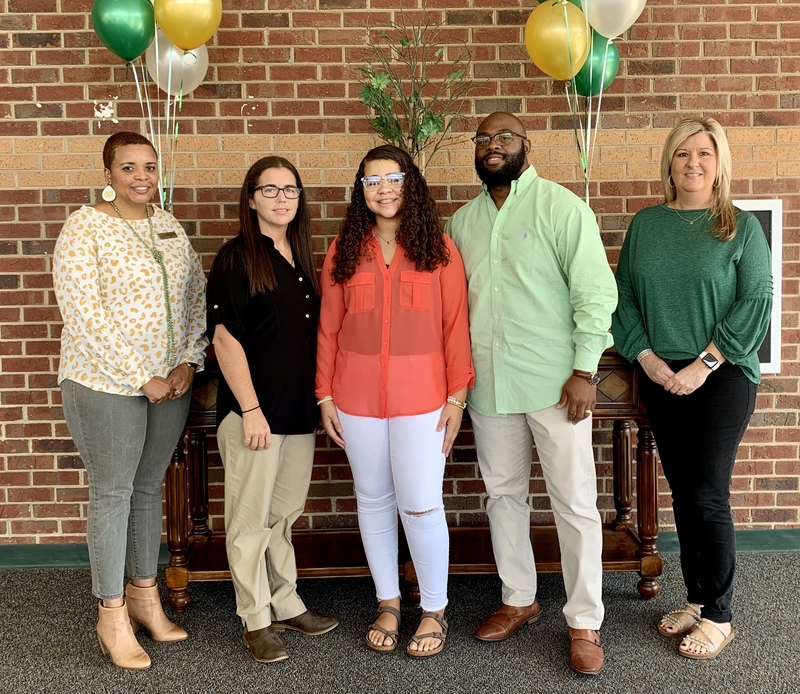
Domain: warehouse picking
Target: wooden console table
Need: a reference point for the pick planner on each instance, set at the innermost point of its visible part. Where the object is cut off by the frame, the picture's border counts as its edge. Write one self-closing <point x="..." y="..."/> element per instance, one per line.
<point x="197" y="554"/>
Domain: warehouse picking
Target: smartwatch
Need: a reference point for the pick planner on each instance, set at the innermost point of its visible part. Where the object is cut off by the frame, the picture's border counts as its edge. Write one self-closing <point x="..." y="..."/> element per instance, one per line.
<point x="709" y="360"/>
<point x="592" y="376"/>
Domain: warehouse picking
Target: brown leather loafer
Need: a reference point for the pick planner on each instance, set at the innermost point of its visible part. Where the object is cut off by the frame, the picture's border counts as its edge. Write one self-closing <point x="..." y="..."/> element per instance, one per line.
<point x="265" y="645"/>
<point x="308" y="623"/>
<point x="585" y="652"/>
<point x="507" y="620"/>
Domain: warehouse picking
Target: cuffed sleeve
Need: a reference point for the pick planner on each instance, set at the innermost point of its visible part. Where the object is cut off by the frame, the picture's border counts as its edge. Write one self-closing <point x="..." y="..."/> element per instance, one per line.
<point x="331" y="315"/>
<point x="455" y="323"/>
<point x="744" y="327"/>
<point x="592" y="291"/>
<point x="627" y="323"/>
<point x="91" y="330"/>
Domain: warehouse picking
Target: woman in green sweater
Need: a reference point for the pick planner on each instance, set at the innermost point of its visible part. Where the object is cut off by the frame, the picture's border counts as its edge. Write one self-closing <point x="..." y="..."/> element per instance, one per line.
<point x="695" y="294"/>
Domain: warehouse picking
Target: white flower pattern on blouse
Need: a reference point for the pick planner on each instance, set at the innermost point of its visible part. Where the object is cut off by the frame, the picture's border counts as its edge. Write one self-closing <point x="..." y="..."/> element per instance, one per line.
<point x="110" y="293"/>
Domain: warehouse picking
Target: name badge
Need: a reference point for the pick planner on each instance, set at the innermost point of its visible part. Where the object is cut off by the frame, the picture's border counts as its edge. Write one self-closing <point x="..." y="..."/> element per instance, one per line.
<point x="168" y="235"/>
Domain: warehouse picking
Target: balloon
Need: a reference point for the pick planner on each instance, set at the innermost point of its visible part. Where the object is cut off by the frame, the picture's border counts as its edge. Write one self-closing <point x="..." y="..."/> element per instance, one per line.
<point x="188" y="23"/>
<point x="553" y="48"/>
<point x="613" y="17"/>
<point x="126" y="27"/>
<point x="600" y="68"/>
<point x="188" y="68"/>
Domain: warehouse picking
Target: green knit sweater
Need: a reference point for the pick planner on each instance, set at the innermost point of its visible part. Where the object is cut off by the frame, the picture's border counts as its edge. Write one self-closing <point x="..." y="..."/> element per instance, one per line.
<point x="680" y="288"/>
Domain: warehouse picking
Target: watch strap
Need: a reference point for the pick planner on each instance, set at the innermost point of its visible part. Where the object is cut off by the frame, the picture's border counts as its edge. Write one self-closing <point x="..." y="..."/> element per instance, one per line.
<point x="709" y="360"/>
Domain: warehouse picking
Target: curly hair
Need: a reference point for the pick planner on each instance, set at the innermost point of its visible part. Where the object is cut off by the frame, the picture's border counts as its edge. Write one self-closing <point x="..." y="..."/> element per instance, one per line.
<point x="420" y="234"/>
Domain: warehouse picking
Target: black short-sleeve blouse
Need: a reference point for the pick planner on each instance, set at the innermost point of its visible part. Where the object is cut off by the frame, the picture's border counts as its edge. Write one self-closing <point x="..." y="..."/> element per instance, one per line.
<point x="278" y="332"/>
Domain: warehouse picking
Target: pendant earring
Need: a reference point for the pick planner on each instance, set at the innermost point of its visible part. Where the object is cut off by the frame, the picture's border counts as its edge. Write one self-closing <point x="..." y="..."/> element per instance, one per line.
<point x="109" y="194"/>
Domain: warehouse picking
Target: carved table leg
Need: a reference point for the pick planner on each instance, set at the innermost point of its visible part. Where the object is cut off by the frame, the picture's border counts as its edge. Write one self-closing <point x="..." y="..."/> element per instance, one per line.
<point x="623" y="475"/>
<point x="198" y="484"/>
<point x="412" y="582"/>
<point x="647" y="507"/>
<point x="177" y="530"/>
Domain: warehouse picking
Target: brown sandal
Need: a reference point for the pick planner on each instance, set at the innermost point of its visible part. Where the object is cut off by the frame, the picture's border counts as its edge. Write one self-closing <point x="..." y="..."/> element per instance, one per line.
<point x="441" y="635"/>
<point x="394" y="635"/>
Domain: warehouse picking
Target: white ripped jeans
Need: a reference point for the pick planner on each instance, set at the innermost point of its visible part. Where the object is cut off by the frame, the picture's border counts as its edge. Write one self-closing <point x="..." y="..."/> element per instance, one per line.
<point x="398" y="464"/>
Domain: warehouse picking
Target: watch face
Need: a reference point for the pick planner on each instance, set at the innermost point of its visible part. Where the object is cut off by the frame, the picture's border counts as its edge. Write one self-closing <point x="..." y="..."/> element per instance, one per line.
<point x="710" y="361"/>
<point x="594" y="378"/>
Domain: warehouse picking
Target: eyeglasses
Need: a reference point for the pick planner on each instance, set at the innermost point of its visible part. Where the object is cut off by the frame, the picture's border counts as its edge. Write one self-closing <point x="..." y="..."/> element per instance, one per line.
<point x="393" y="180"/>
<point x="504" y="138"/>
<point x="289" y="192"/>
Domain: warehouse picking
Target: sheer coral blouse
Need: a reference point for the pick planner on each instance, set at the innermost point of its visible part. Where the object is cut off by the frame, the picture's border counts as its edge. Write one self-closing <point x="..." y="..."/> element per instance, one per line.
<point x="393" y="341"/>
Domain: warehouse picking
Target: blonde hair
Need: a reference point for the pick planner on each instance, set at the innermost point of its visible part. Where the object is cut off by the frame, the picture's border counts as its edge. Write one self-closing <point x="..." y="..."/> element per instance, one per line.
<point x="723" y="212"/>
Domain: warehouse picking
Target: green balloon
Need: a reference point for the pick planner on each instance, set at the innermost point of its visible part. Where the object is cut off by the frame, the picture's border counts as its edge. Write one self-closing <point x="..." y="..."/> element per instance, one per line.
<point x="126" y="27"/>
<point x="600" y="68"/>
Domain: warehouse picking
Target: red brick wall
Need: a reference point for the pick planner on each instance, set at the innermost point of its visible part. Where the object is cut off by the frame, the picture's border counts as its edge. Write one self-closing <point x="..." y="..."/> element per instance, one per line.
<point x="283" y="79"/>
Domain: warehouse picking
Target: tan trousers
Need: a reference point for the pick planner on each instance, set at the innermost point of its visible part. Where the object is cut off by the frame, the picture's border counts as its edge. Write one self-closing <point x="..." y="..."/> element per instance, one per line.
<point x="565" y="452"/>
<point x="265" y="492"/>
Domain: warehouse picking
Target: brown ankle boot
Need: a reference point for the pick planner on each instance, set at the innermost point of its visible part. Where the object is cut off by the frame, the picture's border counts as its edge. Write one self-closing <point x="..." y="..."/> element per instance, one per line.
<point x="117" y="639"/>
<point x="144" y="608"/>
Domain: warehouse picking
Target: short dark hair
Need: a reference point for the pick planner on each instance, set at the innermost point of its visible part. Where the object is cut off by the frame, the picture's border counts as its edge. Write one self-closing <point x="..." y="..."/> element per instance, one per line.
<point x="122" y="139"/>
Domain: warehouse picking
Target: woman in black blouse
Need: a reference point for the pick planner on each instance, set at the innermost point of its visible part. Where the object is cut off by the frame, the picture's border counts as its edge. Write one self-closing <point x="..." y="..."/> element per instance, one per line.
<point x="263" y="304"/>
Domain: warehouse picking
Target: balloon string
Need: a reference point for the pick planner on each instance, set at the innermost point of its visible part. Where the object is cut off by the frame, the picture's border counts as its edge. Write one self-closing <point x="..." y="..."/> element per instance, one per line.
<point x="144" y="99"/>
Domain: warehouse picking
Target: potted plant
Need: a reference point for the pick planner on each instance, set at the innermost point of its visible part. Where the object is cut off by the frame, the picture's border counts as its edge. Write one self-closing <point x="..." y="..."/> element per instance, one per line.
<point x="414" y="108"/>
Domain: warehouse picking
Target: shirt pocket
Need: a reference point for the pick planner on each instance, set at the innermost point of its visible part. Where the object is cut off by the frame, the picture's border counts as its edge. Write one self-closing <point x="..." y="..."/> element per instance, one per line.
<point x="360" y="292"/>
<point x="415" y="290"/>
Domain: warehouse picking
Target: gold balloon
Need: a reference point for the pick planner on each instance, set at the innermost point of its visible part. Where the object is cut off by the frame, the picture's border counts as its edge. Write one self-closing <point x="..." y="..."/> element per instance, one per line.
<point x="188" y="23"/>
<point x="557" y="38"/>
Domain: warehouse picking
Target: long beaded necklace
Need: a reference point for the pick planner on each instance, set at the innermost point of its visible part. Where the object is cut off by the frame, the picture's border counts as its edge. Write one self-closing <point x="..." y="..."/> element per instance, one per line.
<point x="689" y="221"/>
<point x="158" y="256"/>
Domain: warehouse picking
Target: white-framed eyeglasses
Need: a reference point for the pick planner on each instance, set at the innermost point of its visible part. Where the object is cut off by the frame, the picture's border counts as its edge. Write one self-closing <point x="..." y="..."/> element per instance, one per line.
<point x="289" y="192"/>
<point x="504" y="138"/>
<point x="393" y="180"/>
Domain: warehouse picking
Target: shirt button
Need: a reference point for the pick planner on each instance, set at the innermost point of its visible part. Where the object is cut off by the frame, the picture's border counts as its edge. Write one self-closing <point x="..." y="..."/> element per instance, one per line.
<point x="300" y="278"/>
<point x="307" y="316"/>
<point x="497" y="289"/>
<point x="496" y="344"/>
<point x="216" y="305"/>
<point x="494" y="262"/>
<point x="307" y="296"/>
<point x="386" y="321"/>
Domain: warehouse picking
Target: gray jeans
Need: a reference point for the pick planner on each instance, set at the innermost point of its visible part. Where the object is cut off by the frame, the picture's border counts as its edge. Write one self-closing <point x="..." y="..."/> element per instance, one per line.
<point x="126" y="444"/>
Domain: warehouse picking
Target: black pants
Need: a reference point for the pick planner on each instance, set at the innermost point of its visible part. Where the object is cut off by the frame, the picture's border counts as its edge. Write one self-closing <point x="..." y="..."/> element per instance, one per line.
<point x="698" y="436"/>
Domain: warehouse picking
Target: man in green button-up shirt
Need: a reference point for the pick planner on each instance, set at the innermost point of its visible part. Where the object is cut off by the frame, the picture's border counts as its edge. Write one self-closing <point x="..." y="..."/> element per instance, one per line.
<point x="541" y="295"/>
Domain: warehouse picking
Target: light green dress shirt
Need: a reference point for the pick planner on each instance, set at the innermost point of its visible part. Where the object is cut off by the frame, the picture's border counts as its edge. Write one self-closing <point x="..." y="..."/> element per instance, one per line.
<point x="541" y="293"/>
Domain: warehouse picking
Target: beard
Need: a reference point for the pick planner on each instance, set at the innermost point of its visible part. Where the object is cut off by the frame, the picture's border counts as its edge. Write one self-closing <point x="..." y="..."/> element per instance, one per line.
<point x="509" y="171"/>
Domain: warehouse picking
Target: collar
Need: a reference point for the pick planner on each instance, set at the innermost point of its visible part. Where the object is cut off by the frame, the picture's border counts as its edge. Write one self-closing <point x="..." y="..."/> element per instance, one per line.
<point x="519" y="186"/>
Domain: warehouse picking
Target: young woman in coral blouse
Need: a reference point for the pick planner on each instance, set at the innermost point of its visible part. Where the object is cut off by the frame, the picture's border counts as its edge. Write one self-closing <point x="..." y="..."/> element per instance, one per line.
<point x="393" y="369"/>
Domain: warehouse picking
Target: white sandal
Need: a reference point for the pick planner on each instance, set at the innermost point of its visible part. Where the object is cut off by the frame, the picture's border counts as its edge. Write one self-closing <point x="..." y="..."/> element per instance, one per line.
<point x="712" y="649"/>
<point x="684" y="626"/>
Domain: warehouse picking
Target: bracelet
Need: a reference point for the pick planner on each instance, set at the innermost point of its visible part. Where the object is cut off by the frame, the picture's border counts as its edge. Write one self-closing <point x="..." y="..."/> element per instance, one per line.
<point x="643" y="354"/>
<point x="327" y="398"/>
<point x="452" y="400"/>
<point x="252" y="409"/>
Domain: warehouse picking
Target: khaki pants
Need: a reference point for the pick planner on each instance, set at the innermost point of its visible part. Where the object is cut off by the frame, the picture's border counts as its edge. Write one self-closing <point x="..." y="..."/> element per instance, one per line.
<point x="265" y="492"/>
<point x="565" y="453"/>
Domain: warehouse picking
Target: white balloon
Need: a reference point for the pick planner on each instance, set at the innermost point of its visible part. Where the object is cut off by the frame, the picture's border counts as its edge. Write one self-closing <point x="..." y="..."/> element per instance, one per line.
<point x="174" y="70"/>
<point x="611" y="18"/>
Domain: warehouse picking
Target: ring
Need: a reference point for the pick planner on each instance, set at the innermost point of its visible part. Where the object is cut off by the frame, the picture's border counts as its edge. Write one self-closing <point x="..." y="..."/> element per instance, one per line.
<point x="178" y="391"/>
<point x="588" y="411"/>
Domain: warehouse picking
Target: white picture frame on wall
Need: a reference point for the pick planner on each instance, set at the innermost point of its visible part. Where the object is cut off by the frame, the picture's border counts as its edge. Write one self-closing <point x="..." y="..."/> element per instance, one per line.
<point x="770" y="214"/>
